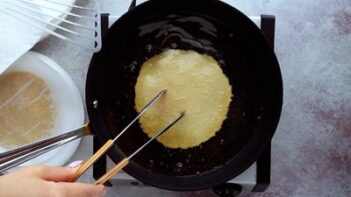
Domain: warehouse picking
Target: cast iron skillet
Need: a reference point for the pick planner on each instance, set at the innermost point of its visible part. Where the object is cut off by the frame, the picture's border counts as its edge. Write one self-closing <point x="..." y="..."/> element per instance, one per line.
<point x="206" y="26"/>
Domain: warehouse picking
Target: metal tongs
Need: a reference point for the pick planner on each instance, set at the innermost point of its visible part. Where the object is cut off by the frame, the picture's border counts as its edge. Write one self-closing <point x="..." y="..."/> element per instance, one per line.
<point x="20" y="155"/>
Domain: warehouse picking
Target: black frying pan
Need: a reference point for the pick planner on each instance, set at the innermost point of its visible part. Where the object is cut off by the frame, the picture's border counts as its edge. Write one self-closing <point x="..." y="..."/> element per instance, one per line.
<point x="206" y="26"/>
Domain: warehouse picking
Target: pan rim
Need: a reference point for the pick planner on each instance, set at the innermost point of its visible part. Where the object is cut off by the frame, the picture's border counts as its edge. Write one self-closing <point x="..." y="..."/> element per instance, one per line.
<point x="195" y="180"/>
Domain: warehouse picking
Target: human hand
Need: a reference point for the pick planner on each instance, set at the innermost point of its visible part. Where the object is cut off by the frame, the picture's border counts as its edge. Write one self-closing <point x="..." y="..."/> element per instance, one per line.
<point x="44" y="181"/>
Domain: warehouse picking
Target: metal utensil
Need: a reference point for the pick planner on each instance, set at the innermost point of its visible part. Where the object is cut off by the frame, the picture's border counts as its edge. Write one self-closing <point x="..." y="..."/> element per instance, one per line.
<point x="81" y="27"/>
<point x="20" y="155"/>
<point x="117" y="168"/>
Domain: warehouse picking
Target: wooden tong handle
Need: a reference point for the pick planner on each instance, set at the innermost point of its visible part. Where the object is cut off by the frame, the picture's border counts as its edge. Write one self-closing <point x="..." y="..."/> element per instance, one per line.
<point x="102" y="180"/>
<point x="84" y="167"/>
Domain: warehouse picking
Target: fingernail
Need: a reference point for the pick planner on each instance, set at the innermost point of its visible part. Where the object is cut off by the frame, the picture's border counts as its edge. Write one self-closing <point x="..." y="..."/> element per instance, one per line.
<point x="75" y="164"/>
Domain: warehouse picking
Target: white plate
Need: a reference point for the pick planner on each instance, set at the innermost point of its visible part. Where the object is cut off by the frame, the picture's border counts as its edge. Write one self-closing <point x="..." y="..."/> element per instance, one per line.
<point x="66" y="97"/>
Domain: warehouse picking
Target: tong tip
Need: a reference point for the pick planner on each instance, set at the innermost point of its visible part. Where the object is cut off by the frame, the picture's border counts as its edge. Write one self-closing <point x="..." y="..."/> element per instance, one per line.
<point x="182" y="113"/>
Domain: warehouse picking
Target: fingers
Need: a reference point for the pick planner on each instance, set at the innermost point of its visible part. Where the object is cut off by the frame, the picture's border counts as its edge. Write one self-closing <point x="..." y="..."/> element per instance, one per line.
<point x="56" y="174"/>
<point x="78" y="189"/>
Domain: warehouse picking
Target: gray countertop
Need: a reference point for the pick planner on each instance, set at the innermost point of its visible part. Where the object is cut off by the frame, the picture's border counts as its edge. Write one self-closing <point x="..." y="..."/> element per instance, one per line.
<point x="311" y="150"/>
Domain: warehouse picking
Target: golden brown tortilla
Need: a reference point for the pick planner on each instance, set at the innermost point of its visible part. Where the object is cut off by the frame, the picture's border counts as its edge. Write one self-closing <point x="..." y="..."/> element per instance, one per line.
<point x="27" y="112"/>
<point x="196" y="84"/>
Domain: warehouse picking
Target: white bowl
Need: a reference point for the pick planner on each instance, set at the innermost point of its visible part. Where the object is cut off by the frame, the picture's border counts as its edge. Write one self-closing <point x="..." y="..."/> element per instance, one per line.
<point x="66" y="97"/>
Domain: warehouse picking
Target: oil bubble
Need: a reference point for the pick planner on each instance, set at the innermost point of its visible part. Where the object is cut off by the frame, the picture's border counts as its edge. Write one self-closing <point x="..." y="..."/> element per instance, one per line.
<point x="179" y="165"/>
<point x="148" y="48"/>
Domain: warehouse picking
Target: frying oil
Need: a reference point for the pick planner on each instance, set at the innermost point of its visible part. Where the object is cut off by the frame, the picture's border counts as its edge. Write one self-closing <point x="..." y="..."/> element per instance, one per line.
<point x="27" y="112"/>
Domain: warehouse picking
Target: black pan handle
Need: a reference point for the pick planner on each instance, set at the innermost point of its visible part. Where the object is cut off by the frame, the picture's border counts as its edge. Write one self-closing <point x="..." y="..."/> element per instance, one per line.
<point x="132" y="5"/>
<point x="227" y="190"/>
